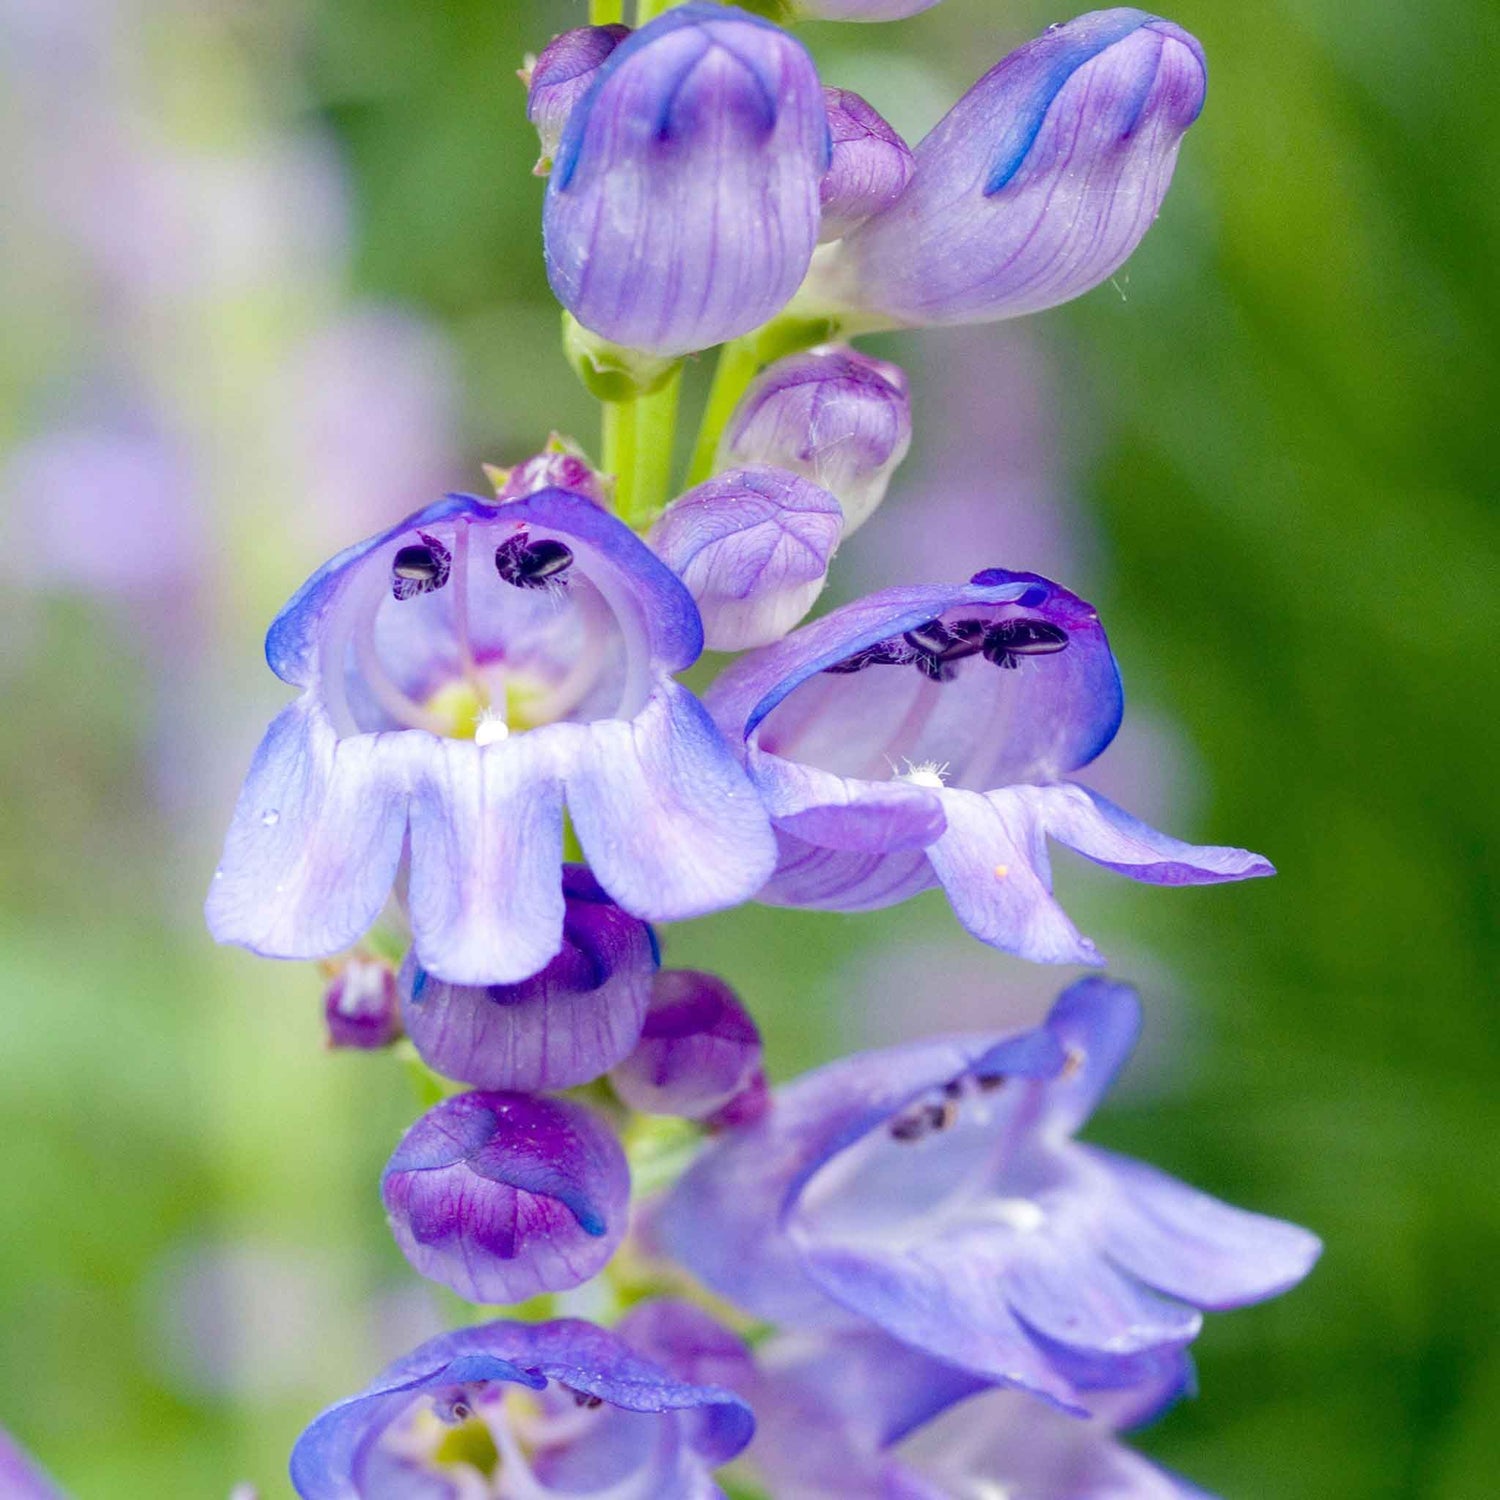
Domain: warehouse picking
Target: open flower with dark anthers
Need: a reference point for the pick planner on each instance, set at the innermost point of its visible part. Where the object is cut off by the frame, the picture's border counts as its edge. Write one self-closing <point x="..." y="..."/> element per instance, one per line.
<point x="869" y="168"/>
<point x="524" y="1411"/>
<point x="463" y="674"/>
<point x="753" y="546"/>
<point x="1035" y="187"/>
<point x="568" y="1023"/>
<point x="935" y="1191"/>
<point x="561" y="75"/>
<point x="837" y="417"/>
<point x="502" y="1196"/>
<point x="921" y="735"/>
<point x="699" y="1050"/>
<point x="857" y="1416"/>
<point x="683" y="205"/>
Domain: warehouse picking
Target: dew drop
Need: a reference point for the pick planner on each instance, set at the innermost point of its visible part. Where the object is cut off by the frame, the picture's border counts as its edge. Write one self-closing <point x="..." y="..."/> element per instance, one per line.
<point x="270" y="817"/>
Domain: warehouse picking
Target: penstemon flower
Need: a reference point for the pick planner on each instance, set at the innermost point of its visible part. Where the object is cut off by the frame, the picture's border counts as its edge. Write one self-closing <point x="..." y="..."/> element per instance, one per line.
<point x="955" y="1297"/>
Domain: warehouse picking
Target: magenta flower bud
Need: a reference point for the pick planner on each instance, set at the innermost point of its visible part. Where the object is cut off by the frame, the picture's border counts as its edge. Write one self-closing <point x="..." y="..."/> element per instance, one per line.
<point x="561" y="76"/>
<point x="501" y="1197"/>
<point x="683" y="209"/>
<point x="564" y="1026"/>
<point x="753" y="546"/>
<point x="559" y="466"/>
<point x="359" y="1006"/>
<point x="1036" y="186"/>
<point x="870" y="166"/>
<point x="699" y="1050"/>
<point x="835" y="416"/>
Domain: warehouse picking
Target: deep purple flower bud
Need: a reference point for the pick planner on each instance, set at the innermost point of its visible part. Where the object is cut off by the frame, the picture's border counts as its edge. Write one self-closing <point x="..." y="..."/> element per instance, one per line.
<point x="936" y="1192"/>
<point x="869" y="168"/>
<point x="699" y="1049"/>
<point x="683" y="207"/>
<point x="835" y="416"/>
<point x="462" y="675"/>
<point x="921" y="736"/>
<point x="558" y="1409"/>
<point x="753" y="546"/>
<point x="504" y="1196"/>
<point x="567" y="1024"/>
<point x="360" y="1007"/>
<point x="561" y="465"/>
<point x="561" y="76"/>
<point x="1036" y="186"/>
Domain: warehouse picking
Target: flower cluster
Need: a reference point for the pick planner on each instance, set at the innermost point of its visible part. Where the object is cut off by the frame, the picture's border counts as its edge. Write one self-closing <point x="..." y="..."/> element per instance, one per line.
<point x="493" y="781"/>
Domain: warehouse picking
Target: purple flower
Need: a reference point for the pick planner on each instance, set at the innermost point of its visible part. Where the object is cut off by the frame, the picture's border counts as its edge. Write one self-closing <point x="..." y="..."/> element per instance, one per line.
<point x="20" y="1479"/>
<point x="561" y="1408"/>
<point x="753" y="546"/>
<point x="935" y="1191"/>
<point x="1036" y="186"/>
<point x="919" y="736"/>
<point x="869" y="168"/>
<point x="683" y="207"/>
<point x="565" y="1025"/>
<point x="461" y="674"/>
<point x="833" y="415"/>
<point x="699" y="1050"/>
<point x="359" y="1005"/>
<point x="504" y="1196"/>
<point x="856" y="1414"/>
<point x="561" y="76"/>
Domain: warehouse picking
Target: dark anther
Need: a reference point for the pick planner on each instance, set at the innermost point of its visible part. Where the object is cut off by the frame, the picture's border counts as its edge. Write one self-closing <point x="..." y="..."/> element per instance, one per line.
<point x="1007" y="641"/>
<point x="584" y="1398"/>
<point x="909" y="1127"/>
<point x="420" y="568"/>
<point x="990" y="1082"/>
<point x="933" y="667"/>
<point x="965" y="638"/>
<point x="941" y="1116"/>
<point x="525" y="564"/>
<point x="891" y="653"/>
<point x="932" y="637"/>
<point x="953" y="1089"/>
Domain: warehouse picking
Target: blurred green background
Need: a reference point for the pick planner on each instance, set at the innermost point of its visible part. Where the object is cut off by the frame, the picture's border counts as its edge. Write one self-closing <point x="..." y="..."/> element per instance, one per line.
<point x="272" y="272"/>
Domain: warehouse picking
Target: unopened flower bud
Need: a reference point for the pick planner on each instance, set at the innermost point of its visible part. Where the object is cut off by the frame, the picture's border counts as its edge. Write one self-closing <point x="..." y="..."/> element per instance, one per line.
<point x="869" y="168"/>
<point x="561" y="465"/>
<point x="561" y="76"/>
<point x="683" y="206"/>
<point x="699" y="1050"/>
<point x="564" y="1026"/>
<point x="504" y="1196"/>
<point x="753" y="547"/>
<point x="1035" y="187"/>
<point x="359" y="1006"/>
<point x="835" y="416"/>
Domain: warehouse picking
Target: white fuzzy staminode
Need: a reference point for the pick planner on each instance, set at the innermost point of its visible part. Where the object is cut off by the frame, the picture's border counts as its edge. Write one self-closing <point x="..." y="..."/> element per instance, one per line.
<point x="490" y="728"/>
<point x="925" y="773"/>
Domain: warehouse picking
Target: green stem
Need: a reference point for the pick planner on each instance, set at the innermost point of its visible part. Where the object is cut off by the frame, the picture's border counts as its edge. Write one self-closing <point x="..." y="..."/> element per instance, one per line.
<point x="606" y="12"/>
<point x="649" y="10"/>
<point x="655" y="440"/>
<point x="618" y="458"/>
<point x="739" y="362"/>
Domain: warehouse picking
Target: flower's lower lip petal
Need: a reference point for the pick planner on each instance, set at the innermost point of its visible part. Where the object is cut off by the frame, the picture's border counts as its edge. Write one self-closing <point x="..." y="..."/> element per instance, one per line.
<point x="315" y="842"/>
<point x="1190" y="1245"/>
<point x="993" y="864"/>
<point x="838" y="812"/>
<point x="1108" y="835"/>
<point x="485" y="895"/>
<point x="668" y="820"/>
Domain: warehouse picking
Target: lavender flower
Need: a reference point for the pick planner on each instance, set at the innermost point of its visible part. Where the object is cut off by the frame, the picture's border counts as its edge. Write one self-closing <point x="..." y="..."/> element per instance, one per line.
<point x="502" y="1196"/>
<point x="1036" y="186"/>
<point x="935" y="1191"/>
<point x="833" y="415"/>
<point x="869" y="168"/>
<point x="561" y="1408"/>
<point x="919" y="737"/>
<point x="683" y="208"/>
<point x="359" y="1006"/>
<point x="460" y="674"/>
<point x="699" y="1050"/>
<point x="20" y="1479"/>
<point x="561" y="75"/>
<point x="753" y="546"/>
<point x="565" y="1025"/>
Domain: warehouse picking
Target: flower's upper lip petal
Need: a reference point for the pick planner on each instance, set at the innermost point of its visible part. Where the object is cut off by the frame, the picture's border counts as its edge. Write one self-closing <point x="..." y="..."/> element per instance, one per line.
<point x="667" y="611"/>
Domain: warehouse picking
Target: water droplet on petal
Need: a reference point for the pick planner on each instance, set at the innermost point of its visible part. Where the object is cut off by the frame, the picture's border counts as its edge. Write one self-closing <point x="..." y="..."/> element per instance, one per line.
<point x="270" y="817"/>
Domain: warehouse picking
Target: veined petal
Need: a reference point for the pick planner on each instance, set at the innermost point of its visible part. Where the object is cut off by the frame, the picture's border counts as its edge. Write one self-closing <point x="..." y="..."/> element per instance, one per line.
<point x="869" y="168"/>
<point x="668" y="820"/>
<point x="485" y="895"/>
<point x="315" y="841"/>
<point x="1098" y="1023"/>
<point x="1039" y="182"/>
<point x="1190" y="1245"/>
<point x="819" y="878"/>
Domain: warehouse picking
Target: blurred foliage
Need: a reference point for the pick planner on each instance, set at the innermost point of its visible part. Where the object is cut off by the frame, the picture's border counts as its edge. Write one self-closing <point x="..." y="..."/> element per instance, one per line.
<point x="1288" y="395"/>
